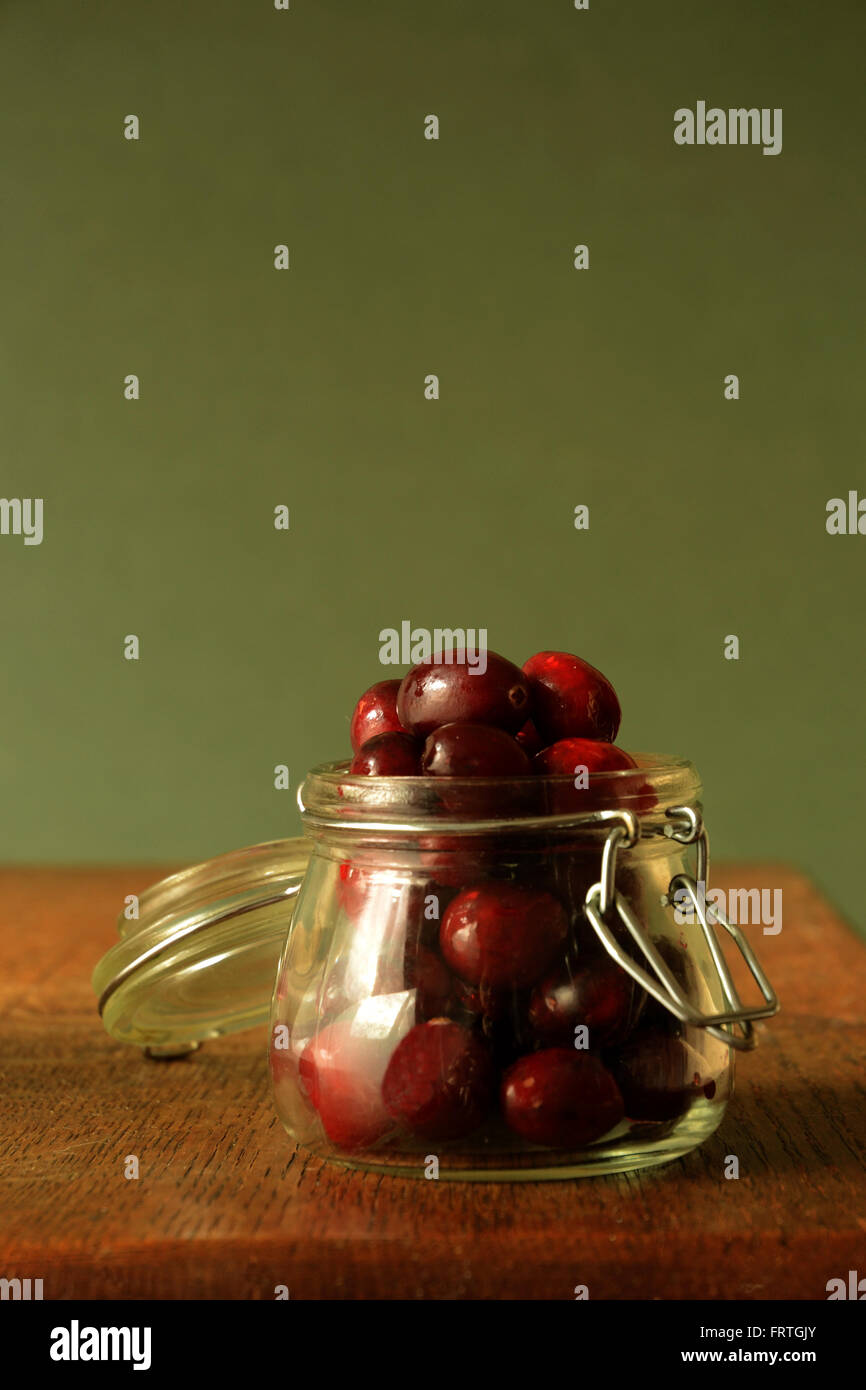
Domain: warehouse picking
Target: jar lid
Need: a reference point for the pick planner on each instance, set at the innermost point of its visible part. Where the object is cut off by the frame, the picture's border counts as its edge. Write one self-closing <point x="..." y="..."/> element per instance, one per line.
<point x="201" y="958"/>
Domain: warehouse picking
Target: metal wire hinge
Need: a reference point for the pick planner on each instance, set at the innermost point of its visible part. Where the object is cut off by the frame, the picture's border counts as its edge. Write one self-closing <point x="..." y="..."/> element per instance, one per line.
<point x="734" y="1025"/>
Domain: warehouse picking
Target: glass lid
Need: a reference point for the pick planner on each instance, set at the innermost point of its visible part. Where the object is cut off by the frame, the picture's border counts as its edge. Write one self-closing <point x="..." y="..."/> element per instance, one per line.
<point x="201" y="958"/>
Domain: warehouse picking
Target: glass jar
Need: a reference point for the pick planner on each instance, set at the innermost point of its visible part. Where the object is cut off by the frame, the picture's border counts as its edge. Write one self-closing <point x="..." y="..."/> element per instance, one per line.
<point x="481" y="979"/>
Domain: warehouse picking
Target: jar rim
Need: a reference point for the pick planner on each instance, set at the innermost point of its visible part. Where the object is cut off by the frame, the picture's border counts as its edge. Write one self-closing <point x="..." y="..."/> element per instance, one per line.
<point x="332" y="796"/>
<point x="647" y="764"/>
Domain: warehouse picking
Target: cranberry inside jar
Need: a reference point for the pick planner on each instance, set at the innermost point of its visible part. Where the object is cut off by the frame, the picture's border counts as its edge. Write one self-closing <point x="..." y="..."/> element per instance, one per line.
<point x="444" y="1001"/>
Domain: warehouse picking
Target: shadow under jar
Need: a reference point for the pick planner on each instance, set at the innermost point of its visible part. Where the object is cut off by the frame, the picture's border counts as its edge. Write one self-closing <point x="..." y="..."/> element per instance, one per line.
<point x="446" y="1004"/>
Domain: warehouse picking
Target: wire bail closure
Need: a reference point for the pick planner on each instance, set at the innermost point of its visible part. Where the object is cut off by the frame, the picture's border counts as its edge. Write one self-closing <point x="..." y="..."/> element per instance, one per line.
<point x="685" y="824"/>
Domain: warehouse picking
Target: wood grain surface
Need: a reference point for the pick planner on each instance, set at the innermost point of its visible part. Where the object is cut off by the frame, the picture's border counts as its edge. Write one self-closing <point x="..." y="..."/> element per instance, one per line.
<point x="225" y="1207"/>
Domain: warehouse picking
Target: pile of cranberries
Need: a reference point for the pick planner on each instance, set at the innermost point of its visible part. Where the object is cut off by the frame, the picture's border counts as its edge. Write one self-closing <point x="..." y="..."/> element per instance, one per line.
<point x="522" y="1030"/>
<point x="445" y="719"/>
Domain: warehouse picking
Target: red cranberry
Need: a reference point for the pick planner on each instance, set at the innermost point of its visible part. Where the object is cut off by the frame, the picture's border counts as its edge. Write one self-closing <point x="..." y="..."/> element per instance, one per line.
<point x="473" y="750"/>
<point x="655" y="1072"/>
<point x="440" y="1080"/>
<point x="569" y="754"/>
<point x="428" y="975"/>
<point x="341" y="1072"/>
<point x="529" y="739"/>
<point x="388" y="755"/>
<point x="561" y="1098"/>
<point x="502" y="933"/>
<point x="570" y="698"/>
<point x="375" y="713"/>
<point x="597" y="994"/>
<point x="441" y="692"/>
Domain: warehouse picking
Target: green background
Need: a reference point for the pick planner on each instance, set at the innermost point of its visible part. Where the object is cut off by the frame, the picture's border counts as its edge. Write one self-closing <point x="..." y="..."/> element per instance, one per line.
<point x="305" y="387"/>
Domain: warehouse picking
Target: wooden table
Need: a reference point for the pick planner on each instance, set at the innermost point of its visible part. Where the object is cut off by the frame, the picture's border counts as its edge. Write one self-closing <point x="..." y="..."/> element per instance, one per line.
<point x="225" y="1208"/>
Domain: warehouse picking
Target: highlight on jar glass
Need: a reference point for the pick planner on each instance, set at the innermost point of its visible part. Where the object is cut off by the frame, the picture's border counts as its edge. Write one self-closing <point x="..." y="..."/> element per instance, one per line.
<point x="483" y="967"/>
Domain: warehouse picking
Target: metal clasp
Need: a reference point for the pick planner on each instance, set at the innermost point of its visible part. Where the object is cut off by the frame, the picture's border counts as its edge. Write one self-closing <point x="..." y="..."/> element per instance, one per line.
<point x="685" y="824"/>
